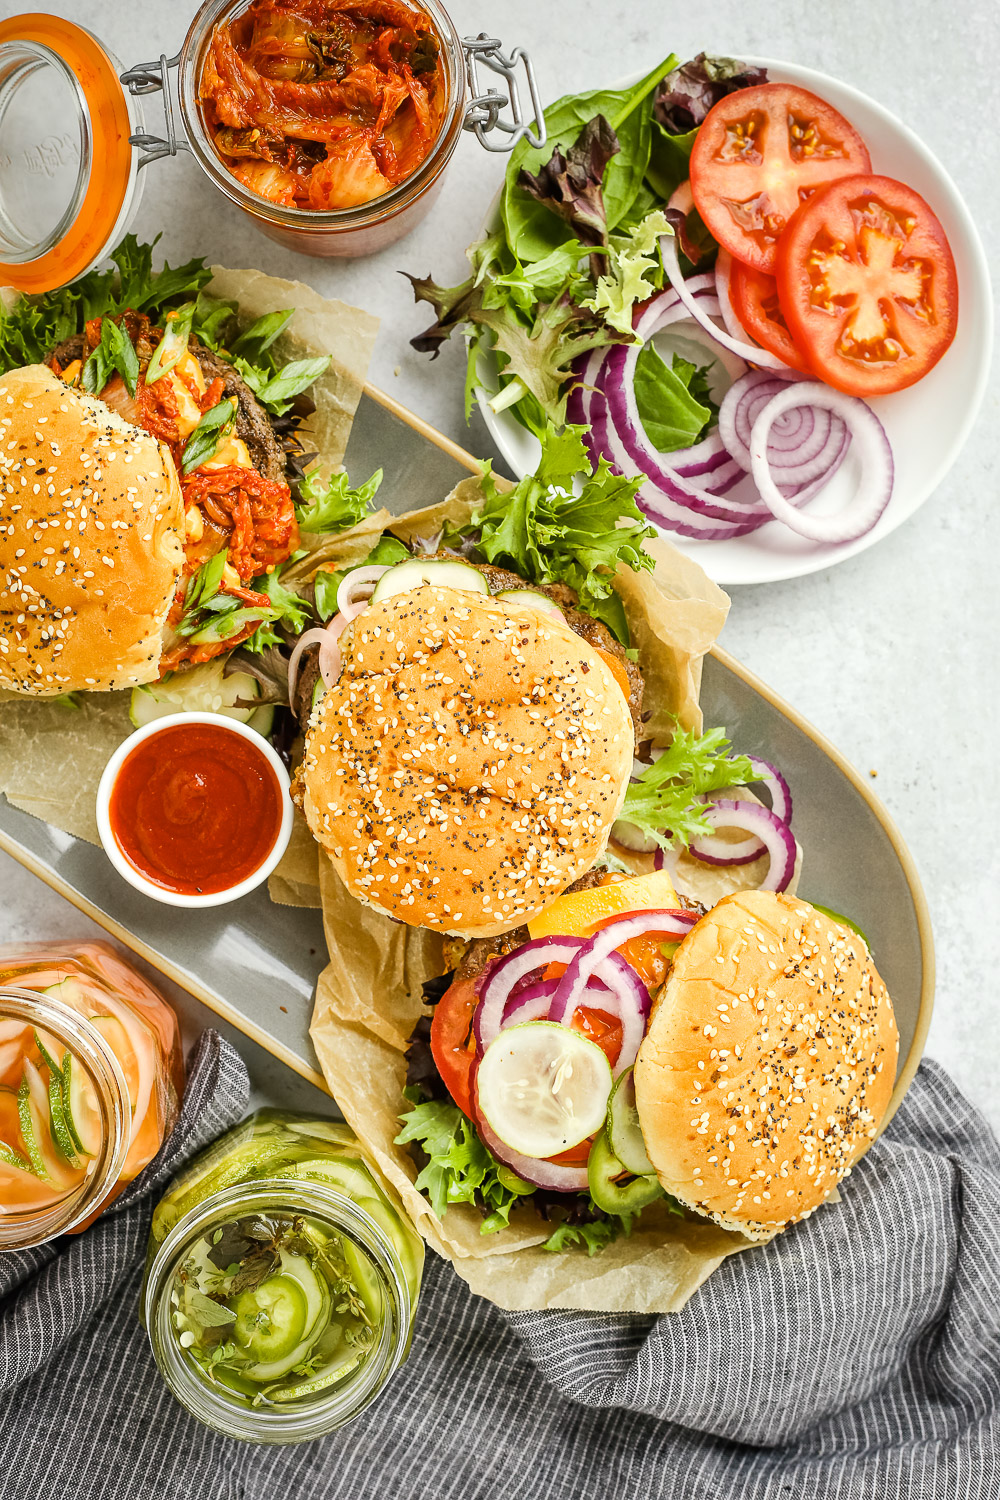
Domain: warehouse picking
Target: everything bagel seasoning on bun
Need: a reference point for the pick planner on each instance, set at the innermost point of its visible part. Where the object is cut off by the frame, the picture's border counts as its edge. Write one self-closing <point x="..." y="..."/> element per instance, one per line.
<point x="768" y="1064"/>
<point x="469" y="763"/>
<point x="92" y="546"/>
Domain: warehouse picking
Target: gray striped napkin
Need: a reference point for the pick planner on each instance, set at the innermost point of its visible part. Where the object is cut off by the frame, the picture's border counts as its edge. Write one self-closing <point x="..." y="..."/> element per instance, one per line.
<point x="857" y="1357"/>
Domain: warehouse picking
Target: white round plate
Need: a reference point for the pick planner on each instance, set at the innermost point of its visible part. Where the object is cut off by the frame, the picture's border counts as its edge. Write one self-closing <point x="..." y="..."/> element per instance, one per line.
<point x="926" y="424"/>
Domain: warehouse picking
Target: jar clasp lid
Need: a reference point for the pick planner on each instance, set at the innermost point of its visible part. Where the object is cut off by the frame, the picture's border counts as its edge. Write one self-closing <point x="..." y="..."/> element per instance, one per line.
<point x="154" y="78"/>
<point x="482" y="113"/>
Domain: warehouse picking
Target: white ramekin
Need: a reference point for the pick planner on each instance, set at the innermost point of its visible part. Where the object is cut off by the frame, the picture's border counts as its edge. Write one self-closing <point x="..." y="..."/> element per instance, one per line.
<point x="130" y="873"/>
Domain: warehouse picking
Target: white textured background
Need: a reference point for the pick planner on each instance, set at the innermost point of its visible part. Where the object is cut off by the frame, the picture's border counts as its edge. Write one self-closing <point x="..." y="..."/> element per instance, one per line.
<point x="893" y="654"/>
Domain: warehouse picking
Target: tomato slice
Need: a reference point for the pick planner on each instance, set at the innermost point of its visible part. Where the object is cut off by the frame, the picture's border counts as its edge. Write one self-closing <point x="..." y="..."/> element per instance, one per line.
<point x="755" y="302"/>
<point x="599" y="1026"/>
<point x="867" y="284"/>
<point x="453" y="1045"/>
<point x="758" y="155"/>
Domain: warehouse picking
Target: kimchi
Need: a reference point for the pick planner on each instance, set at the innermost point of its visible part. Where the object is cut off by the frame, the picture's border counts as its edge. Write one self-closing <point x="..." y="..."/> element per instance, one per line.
<point x="323" y="104"/>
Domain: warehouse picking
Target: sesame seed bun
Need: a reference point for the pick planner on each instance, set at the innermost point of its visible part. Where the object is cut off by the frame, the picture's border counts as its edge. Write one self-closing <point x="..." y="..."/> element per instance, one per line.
<point x="469" y="763"/>
<point x="768" y="1064"/>
<point x="91" y="525"/>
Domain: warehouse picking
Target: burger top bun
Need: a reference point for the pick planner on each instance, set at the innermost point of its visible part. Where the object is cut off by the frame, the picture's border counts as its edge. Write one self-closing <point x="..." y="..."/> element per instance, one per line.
<point x="768" y="1064"/>
<point x="469" y="763"/>
<point x="91" y="549"/>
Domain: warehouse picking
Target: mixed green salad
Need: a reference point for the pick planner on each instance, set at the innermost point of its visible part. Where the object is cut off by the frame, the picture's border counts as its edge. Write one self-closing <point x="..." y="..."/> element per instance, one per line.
<point x="576" y="249"/>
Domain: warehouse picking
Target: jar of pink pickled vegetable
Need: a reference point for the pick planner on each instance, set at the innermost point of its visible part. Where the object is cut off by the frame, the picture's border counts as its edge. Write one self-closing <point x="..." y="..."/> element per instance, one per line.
<point x="90" y="1078"/>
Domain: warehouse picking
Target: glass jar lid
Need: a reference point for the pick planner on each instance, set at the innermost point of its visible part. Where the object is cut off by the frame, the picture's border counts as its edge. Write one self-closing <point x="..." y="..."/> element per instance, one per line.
<point x="67" y="167"/>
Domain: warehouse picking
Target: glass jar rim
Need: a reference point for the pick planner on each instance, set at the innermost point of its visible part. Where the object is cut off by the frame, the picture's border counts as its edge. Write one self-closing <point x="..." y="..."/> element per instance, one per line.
<point x="82" y="1038"/>
<point x="363" y="215"/>
<point x="212" y="1405"/>
<point x="107" y="180"/>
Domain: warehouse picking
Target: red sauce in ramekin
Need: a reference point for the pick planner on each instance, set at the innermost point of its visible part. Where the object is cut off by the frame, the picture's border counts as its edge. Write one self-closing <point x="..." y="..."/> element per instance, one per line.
<point x="196" y="809"/>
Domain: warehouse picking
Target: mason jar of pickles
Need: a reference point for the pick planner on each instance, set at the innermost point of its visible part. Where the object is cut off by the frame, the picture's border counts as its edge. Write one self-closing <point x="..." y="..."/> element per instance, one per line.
<point x="281" y="1282"/>
<point x="90" y="1079"/>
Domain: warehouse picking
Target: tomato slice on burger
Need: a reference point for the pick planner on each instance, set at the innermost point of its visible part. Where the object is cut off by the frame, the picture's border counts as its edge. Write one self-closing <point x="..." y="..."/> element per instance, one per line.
<point x="867" y="284"/>
<point x="453" y="1046"/>
<point x="758" y="155"/>
<point x="754" y="296"/>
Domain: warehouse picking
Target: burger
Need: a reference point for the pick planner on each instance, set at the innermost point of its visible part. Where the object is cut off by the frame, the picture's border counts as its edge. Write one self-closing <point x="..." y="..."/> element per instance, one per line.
<point x="92" y="549"/>
<point x="153" y="486"/>
<point x="467" y="763"/>
<point x="630" y="1049"/>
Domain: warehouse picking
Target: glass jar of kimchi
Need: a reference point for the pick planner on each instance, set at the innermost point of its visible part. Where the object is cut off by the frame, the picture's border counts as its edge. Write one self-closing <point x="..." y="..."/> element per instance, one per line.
<point x="329" y="126"/>
<point x="90" y="1078"/>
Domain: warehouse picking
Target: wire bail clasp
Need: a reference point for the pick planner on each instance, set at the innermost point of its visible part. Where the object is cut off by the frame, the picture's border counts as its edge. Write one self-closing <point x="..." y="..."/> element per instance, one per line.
<point x="154" y="78"/>
<point x="482" y="113"/>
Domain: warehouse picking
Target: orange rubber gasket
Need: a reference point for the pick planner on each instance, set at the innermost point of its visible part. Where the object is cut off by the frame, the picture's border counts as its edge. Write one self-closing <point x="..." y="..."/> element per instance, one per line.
<point x="111" y="153"/>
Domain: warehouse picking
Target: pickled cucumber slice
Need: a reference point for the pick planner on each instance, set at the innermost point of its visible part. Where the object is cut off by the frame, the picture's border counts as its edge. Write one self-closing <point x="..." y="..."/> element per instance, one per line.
<point x="58" y="1124"/>
<point x="33" y="1106"/>
<point x="12" y="1158"/>
<point x="83" y="1117"/>
<point x="333" y="1375"/>
<point x="624" y="1130"/>
<point x="29" y="1130"/>
<point x="201" y="689"/>
<point x="72" y="993"/>
<point x="419" y="572"/>
<point x="283" y="1318"/>
<point x="271" y="1321"/>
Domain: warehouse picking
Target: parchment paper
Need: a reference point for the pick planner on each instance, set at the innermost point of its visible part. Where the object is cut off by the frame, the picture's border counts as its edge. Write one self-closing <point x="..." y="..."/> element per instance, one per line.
<point x="368" y="1001"/>
<point x="51" y="757"/>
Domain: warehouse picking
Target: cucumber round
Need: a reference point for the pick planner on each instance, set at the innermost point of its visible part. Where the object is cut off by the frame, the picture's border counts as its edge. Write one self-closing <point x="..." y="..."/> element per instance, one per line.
<point x="531" y="600"/>
<point x="543" y="1088"/>
<point x="203" y="689"/>
<point x="624" y="1130"/>
<point x="609" y="1190"/>
<point x="419" y="572"/>
<point x="271" y="1320"/>
<point x="284" y="1319"/>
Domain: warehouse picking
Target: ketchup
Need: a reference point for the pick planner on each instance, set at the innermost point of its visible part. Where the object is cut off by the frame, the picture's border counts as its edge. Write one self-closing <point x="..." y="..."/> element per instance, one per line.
<point x="196" y="809"/>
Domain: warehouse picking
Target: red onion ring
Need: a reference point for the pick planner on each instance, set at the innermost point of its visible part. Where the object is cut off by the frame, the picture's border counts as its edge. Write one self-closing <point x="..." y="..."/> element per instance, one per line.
<point x="798" y="451"/>
<point x="752" y="353"/>
<point x="591" y="955"/>
<point x="781" y="793"/>
<point x="544" y="1174"/>
<point x="496" y="991"/>
<point x="356" y="589"/>
<point x="775" y="835"/>
<point x="530" y="1004"/>
<point x="724" y="292"/>
<point x="875" y="490"/>
<point x="715" y="851"/>
<point x="324" y="636"/>
<point x="628" y="999"/>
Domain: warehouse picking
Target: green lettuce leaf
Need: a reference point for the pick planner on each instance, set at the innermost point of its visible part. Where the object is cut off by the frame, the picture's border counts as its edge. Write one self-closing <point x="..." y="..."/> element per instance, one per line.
<point x="289" y="610"/>
<point x="460" y="1168"/>
<point x="532" y="229"/>
<point x="330" y="504"/>
<point x="32" y="326"/>
<point x="665" y="801"/>
<point x="592" y="1236"/>
<point x="634" y="272"/>
<point x="673" y="402"/>
<point x="546" y="533"/>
